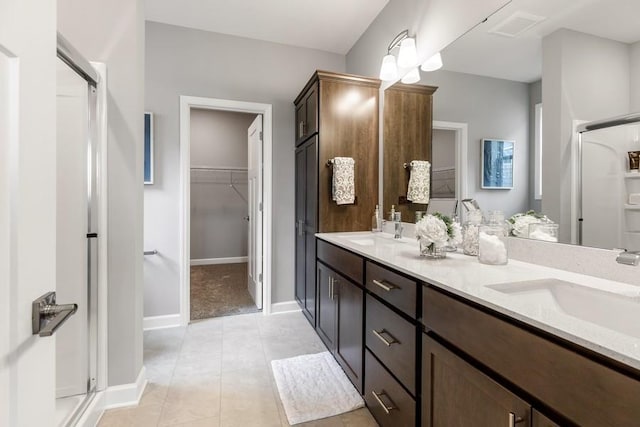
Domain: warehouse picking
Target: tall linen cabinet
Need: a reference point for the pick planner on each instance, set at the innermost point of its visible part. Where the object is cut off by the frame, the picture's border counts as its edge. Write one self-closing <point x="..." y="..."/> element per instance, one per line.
<point x="336" y="116"/>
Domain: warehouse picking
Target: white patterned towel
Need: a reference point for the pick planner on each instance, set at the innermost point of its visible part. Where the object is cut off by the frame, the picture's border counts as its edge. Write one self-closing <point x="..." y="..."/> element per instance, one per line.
<point x="419" y="182"/>
<point x="314" y="386"/>
<point x="344" y="188"/>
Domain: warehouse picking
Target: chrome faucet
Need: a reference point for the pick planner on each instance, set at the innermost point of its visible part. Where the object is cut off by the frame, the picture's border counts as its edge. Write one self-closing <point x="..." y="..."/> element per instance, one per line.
<point x="397" y="221"/>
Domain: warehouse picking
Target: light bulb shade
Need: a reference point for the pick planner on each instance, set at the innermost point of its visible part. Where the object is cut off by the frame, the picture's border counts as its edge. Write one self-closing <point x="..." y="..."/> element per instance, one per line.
<point x="388" y="70"/>
<point x="433" y="63"/>
<point x="408" y="56"/>
<point x="411" y="77"/>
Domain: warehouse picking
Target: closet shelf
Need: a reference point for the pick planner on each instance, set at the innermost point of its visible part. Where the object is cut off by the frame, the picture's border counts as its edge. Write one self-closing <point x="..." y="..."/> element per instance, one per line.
<point x="631" y="207"/>
<point x="632" y="175"/>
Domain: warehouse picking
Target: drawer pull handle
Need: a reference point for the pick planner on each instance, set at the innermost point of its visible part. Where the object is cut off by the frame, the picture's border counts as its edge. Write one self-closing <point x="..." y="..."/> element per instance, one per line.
<point x="378" y="397"/>
<point x="383" y="339"/>
<point x="513" y="419"/>
<point x="385" y="285"/>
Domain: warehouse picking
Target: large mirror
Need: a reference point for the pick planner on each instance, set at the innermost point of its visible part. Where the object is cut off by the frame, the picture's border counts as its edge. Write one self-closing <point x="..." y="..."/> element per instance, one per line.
<point x="532" y="74"/>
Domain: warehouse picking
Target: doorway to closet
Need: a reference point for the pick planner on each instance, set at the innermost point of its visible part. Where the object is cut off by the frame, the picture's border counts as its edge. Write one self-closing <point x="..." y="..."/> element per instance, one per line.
<point x="229" y="218"/>
<point x="220" y="237"/>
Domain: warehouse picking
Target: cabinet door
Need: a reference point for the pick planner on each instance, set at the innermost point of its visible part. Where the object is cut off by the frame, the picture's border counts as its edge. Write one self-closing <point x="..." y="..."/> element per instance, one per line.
<point x="301" y="117"/>
<point x="349" y="347"/>
<point x="311" y="111"/>
<point x="539" y="420"/>
<point x="327" y="314"/>
<point x="457" y="394"/>
<point x="300" y="228"/>
<point x="311" y="224"/>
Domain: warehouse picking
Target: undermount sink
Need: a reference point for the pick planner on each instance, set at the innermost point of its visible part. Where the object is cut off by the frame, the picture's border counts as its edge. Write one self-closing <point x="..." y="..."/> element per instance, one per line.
<point x="363" y="241"/>
<point x="610" y="310"/>
<point x="375" y="238"/>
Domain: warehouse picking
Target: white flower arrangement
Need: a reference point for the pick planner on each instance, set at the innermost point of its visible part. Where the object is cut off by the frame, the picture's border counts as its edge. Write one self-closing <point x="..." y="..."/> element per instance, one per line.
<point x="438" y="230"/>
<point x="520" y="222"/>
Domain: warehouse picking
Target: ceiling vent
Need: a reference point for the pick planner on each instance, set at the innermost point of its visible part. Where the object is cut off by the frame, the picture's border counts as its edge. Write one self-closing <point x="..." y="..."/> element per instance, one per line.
<point x="516" y="24"/>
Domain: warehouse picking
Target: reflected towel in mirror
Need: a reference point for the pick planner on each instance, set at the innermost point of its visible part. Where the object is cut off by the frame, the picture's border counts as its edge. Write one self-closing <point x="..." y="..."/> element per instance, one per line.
<point x="344" y="192"/>
<point x="419" y="182"/>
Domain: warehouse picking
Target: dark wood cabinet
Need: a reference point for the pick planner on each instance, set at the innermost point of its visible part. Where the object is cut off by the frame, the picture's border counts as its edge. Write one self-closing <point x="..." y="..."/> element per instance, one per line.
<point x="306" y="216"/>
<point x="307" y="114"/>
<point x="340" y="320"/>
<point x="539" y="420"/>
<point x="336" y="116"/>
<point x="408" y="127"/>
<point x="455" y="393"/>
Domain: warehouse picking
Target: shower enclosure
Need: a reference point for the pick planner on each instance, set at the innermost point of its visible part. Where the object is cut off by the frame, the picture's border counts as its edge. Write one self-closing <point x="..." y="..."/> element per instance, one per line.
<point x="77" y="232"/>
<point x="605" y="219"/>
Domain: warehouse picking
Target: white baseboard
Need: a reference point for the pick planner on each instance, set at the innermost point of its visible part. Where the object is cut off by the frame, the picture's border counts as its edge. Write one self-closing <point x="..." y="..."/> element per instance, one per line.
<point x="92" y="415"/>
<point x="126" y="394"/>
<point x="161" y="322"/>
<point x="211" y="261"/>
<point x="284" y="307"/>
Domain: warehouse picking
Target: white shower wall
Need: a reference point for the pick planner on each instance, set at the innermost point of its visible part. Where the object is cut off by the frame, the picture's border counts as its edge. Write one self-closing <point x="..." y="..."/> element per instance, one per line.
<point x="607" y="224"/>
<point x="218" y="224"/>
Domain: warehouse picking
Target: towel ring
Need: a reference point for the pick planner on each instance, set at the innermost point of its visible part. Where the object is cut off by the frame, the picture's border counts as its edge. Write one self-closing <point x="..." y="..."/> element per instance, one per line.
<point x="406" y="166"/>
<point x="330" y="162"/>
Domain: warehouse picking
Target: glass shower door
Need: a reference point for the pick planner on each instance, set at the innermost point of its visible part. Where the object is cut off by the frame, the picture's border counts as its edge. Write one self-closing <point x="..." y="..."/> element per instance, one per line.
<point x="76" y="275"/>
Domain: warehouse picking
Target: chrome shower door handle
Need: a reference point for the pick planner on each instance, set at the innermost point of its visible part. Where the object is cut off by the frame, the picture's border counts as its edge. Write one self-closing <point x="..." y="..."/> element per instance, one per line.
<point x="47" y="316"/>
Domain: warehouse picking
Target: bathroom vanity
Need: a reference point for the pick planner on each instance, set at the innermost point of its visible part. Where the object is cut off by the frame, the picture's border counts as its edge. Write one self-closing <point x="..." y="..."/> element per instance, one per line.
<point x="455" y="342"/>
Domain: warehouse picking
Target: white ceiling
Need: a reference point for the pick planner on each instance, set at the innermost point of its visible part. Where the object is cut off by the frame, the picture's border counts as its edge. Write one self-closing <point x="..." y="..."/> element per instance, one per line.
<point x="520" y="58"/>
<point x="329" y="25"/>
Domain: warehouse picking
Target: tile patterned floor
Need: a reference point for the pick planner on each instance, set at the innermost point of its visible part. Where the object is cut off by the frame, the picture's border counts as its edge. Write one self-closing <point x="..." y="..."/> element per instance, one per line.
<point x="217" y="373"/>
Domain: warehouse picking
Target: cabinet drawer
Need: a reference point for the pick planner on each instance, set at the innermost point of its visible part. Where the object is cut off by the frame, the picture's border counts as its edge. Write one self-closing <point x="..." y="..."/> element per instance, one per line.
<point x="582" y="390"/>
<point x="393" y="288"/>
<point x="393" y="340"/>
<point x="340" y="260"/>
<point x="391" y="405"/>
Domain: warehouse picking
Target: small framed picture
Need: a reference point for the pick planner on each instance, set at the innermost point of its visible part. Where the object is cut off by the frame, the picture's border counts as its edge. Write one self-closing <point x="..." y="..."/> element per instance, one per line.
<point x="148" y="148"/>
<point x="497" y="164"/>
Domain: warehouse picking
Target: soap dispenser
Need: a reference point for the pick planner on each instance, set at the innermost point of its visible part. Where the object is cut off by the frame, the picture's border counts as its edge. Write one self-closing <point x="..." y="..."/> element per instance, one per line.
<point x="392" y="214"/>
<point x="376" y="221"/>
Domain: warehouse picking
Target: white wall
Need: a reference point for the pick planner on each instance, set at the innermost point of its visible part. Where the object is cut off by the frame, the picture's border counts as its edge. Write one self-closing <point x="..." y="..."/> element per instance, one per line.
<point x="443" y="148"/>
<point x="634" y="62"/>
<point x="182" y="61"/>
<point x="218" y="227"/>
<point x="584" y="78"/>
<point x="535" y="97"/>
<point x="113" y="33"/>
<point x="492" y="108"/>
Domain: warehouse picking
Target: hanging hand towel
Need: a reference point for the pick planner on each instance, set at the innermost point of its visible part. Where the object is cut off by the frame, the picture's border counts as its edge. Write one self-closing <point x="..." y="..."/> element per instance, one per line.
<point x="344" y="192"/>
<point x="419" y="182"/>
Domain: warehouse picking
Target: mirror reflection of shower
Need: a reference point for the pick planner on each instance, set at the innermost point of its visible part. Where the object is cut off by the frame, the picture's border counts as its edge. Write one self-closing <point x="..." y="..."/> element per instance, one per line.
<point x="608" y="186"/>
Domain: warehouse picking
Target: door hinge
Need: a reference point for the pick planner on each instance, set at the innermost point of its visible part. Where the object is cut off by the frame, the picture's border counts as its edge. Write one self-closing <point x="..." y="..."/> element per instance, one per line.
<point x="260" y="277"/>
<point x="260" y="206"/>
<point x="260" y="135"/>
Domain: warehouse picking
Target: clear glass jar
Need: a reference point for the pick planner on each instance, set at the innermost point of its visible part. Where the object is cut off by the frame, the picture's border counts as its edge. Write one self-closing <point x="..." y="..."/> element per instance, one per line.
<point x="492" y="244"/>
<point x="470" y="231"/>
<point x="431" y="251"/>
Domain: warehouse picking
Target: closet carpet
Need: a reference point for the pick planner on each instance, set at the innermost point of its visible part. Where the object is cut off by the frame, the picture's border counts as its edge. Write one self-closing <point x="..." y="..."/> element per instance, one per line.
<point x="220" y="290"/>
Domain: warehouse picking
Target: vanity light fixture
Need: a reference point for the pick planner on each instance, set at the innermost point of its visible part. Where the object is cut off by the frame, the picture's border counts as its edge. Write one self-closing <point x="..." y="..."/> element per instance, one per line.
<point x="432" y="64"/>
<point x="411" y="77"/>
<point x="407" y="58"/>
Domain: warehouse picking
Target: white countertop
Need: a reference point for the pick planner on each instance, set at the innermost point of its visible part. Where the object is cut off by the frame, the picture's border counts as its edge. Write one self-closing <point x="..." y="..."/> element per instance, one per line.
<point x="465" y="276"/>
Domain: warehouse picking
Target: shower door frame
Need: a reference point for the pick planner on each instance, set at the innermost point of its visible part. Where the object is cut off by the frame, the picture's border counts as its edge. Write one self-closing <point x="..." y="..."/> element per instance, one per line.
<point x="581" y="128"/>
<point x="95" y="75"/>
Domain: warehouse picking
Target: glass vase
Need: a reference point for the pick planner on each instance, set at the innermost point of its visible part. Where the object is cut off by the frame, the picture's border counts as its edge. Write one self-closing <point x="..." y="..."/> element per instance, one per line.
<point x="431" y="251"/>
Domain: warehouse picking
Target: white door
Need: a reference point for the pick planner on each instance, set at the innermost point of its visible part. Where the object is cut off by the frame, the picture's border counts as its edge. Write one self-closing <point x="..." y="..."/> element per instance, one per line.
<point x="255" y="210"/>
<point x="27" y="207"/>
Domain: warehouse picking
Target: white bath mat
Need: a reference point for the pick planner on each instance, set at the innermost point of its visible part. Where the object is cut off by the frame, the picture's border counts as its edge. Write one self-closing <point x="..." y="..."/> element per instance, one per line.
<point x="314" y="386"/>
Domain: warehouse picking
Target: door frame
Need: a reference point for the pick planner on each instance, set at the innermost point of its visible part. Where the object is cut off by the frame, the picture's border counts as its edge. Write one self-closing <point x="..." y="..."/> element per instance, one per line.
<point x="462" y="142"/>
<point x="186" y="104"/>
